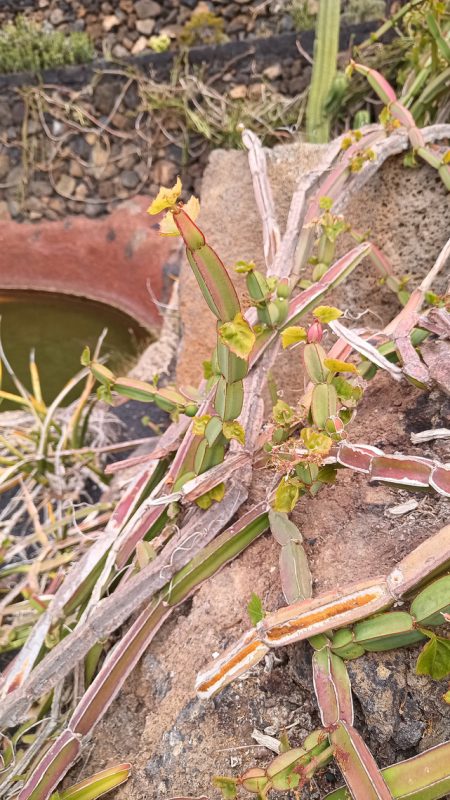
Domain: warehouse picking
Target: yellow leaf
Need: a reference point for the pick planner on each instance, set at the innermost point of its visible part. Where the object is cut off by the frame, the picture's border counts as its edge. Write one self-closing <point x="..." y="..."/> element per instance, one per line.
<point x="233" y="430"/>
<point x="204" y="501"/>
<point x="166" y="198"/>
<point x="334" y="365"/>
<point x="244" y="266"/>
<point x="238" y="336"/>
<point x="282" y="413"/>
<point x="216" y="494"/>
<point x="199" y="424"/>
<point x="286" y="496"/>
<point x="316" y="441"/>
<point x="167" y="226"/>
<point x="326" y="313"/>
<point x="293" y="335"/>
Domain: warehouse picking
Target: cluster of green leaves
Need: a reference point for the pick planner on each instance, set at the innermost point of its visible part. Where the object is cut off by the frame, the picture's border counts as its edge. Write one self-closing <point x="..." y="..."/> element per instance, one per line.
<point x="290" y="770"/>
<point x="416" y="62"/>
<point x="330" y="408"/>
<point x="425" y="71"/>
<point x="330" y="227"/>
<point x="267" y="294"/>
<point x="25" y="47"/>
<point x="302" y="14"/>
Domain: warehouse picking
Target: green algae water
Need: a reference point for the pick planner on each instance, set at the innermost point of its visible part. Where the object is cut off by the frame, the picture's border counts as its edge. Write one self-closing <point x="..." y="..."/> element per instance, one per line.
<point x="58" y="327"/>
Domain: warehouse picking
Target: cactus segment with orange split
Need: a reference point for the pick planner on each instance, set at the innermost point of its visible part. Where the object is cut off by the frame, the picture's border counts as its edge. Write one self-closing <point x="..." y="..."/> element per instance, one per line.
<point x="352" y="611"/>
<point x="248" y="651"/>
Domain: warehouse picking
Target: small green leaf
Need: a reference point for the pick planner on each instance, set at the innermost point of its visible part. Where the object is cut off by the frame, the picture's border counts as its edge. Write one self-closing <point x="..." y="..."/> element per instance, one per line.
<point x="346" y="415"/>
<point x="293" y="335"/>
<point x="285" y="744"/>
<point x="104" y="393"/>
<point x="334" y="365"/>
<point x="199" y="424"/>
<point x="343" y="388"/>
<point x="403" y="296"/>
<point x="295" y="574"/>
<point x="244" y="266"/>
<point x="233" y="430"/>
<point x="208" y="371"/>
<point x="326" y="314"/>
<point x="327" y="474"/>
<point x="204" y="501"/>
<point x="282" y="413"/>
<point x="238" y="336"/>
<point x="306" y="472"/>
<point x="255" y="609"/>
<point x="227" y="786"/>
<point x="434" y="658"/>
<point x="85" y="357"/>
<point x="434" y="299"/>
<point x="410" y="160"/>
<point x="347" y="393"/>
<point x="286" y="496"/>
<point x="446" y="697"/>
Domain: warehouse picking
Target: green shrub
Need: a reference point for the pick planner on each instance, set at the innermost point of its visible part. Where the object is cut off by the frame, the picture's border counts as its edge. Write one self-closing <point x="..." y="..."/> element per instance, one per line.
<point x="203" y="28"/>
<point x="25" y="47"/>
<point x="303" y="14"/>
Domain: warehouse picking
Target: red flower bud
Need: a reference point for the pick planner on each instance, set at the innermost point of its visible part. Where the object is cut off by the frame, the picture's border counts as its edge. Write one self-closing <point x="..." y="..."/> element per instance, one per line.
<point x="315" y="332"/>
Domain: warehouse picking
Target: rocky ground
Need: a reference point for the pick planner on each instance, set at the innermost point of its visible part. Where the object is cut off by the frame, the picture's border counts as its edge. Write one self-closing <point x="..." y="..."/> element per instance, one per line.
<point x="82" y="149"/>
<point x="84" y="139"/>
<point x="123" y="27"/>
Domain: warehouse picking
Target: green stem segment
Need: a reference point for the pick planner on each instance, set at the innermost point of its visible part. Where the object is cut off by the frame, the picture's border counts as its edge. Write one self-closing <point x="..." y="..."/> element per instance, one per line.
<point x="221" y="297"/>
<point x="324" y="69"/>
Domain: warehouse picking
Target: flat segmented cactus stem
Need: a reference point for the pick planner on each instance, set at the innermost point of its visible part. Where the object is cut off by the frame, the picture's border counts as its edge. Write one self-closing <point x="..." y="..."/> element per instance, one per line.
<point x="221" y="297"/>
<point x="331" y="610"/>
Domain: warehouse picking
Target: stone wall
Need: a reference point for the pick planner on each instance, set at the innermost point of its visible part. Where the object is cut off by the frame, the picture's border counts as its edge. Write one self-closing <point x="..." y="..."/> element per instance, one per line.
<point x="122" y="27"/>
<point x="81" y="142"/>
<point x="82" y="139"/>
